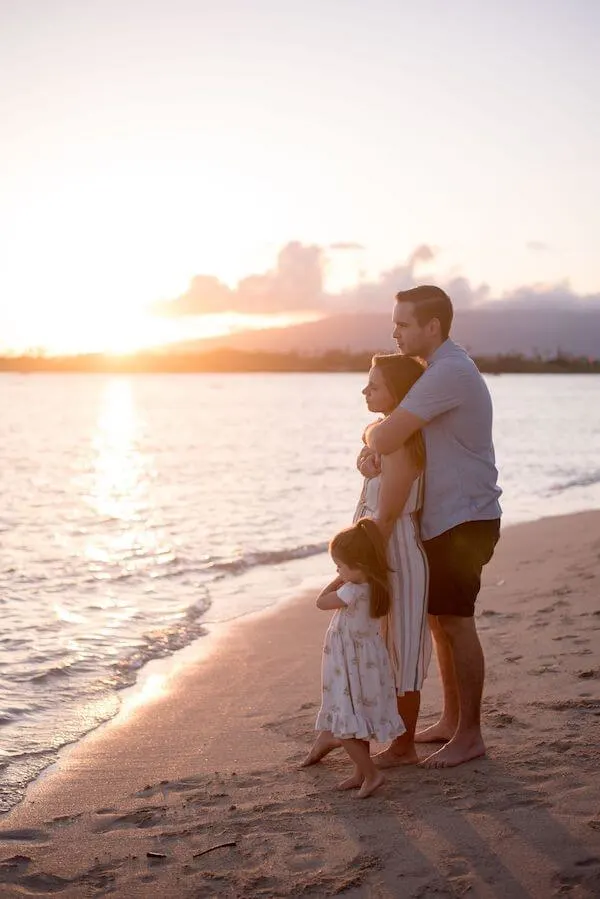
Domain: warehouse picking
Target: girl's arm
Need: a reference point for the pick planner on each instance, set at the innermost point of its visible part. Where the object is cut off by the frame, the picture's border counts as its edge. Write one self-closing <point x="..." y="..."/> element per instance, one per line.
<point x="328" y="598"/>
<point x="398" y="472"/>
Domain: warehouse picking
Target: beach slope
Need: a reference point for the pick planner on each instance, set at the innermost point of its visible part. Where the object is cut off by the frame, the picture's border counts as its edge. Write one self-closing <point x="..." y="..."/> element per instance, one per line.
<point x="197" y="793"/>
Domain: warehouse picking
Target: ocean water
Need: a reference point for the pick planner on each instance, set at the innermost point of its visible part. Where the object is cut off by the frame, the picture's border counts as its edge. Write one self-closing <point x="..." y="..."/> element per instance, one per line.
<point x="138" y="509"/>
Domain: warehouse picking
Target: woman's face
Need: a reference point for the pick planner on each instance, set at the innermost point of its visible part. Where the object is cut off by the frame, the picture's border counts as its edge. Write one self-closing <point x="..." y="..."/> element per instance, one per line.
<point x="377" y="393"/>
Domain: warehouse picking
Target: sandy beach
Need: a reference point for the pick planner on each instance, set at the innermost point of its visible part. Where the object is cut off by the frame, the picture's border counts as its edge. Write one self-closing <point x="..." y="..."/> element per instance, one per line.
<point x="197" y="793"/>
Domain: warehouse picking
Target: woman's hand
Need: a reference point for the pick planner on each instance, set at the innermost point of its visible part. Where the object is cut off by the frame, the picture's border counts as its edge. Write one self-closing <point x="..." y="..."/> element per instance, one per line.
<point x="368" y="463"/>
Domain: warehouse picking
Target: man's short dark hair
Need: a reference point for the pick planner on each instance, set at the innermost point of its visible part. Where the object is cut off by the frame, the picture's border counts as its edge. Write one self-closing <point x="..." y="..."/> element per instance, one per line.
<point x="429" y="302"/>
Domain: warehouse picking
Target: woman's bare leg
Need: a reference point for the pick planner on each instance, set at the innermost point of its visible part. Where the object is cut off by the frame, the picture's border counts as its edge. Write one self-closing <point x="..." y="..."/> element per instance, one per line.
<point x="401" y="751"/>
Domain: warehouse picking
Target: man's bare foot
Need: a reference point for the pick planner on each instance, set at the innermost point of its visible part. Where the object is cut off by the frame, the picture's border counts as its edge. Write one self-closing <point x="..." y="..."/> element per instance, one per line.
<point x="456" y="752"/>
<point x="396" y="756"/>
<point x="353" y="782"/>
<point x="323" y="745"/>
<point x="441" y="732"/>
<point x="370" y="784"/>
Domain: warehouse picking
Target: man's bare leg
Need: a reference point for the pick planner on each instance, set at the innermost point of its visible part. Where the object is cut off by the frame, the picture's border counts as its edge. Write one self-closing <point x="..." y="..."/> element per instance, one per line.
<point x="466" y="743"/>
<point x="323" y="745"/>
<point x="443" y="730"/>
<point x="401" y="751"/>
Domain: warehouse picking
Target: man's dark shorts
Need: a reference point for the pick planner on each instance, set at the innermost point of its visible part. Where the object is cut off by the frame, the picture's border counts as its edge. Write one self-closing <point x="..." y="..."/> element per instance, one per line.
<point x="456" y="559"/>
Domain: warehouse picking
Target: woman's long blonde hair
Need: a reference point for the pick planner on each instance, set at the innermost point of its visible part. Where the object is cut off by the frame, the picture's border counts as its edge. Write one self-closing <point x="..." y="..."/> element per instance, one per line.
<point x="400" y="373"/>
<point x="362" y="546"/>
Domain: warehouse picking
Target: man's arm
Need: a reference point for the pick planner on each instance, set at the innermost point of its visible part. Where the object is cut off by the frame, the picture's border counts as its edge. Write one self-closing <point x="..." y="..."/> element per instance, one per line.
<point x="441" y="387"/>
<point x="389" y="435"/>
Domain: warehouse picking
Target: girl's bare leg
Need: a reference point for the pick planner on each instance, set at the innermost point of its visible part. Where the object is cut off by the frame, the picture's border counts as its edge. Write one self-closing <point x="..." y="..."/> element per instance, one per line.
<point x="354" y="781"/>
<point x="372" y="778"/>
<point x="323" y="745"/>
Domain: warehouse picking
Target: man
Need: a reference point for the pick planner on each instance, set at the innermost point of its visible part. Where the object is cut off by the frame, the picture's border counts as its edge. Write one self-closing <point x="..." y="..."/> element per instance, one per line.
<point x="460" y="522"/>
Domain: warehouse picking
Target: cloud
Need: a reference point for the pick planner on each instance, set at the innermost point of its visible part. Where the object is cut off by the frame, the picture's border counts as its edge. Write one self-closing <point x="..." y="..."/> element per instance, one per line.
<point x="296" y="284"/>
<point x="376" y="296"/>
<point x="548" y="296"/>
<point x="349" y="245"/>
<point x="423" y="253"/>
<point x="206" y="294"/>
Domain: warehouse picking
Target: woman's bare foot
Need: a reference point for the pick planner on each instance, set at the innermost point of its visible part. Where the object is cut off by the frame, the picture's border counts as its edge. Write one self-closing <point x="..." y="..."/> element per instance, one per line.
<point x="370" y="784"/>
<point x="353" y="782"/>
<point x="441" y="732"/>
<point x="401" y="751"/>
<point x="322" y="746"/>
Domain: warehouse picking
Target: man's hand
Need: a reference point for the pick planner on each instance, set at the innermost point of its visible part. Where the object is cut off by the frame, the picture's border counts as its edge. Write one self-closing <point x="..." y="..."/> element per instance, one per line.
<point x="368" y="463"/>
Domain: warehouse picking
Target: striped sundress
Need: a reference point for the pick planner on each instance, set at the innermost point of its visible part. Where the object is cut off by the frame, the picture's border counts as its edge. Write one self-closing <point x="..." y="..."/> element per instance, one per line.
<point x="405" y="629"/>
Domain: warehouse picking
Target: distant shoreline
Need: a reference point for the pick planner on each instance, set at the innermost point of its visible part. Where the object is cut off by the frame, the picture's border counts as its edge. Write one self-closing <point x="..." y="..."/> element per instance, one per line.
<point x="230" y="361"/>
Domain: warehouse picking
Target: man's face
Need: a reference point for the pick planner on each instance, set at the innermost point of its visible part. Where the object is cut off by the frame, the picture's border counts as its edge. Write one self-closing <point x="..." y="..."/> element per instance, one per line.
<point x="412" y="338"/>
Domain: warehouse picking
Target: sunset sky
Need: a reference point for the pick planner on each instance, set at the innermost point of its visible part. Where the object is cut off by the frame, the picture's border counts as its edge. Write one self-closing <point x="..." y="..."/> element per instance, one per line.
<point x="294" y="158"/>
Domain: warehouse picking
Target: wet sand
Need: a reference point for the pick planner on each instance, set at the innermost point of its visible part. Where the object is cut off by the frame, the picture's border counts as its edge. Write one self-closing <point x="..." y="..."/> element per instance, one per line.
<point x="197" y="793"/>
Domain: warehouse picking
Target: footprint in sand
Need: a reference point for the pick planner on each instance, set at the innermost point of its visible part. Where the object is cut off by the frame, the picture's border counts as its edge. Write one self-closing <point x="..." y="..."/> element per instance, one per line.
<point x="143" y="817"/>
<point x="172" y="786"/>
<point x="25" y="835"/>
<point x="12" y="868"/>
<point x="98" y="878"/>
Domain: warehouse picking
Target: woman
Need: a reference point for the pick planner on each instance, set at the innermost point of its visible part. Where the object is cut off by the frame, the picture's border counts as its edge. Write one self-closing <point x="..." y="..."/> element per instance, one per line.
<point x="393" y="498"/>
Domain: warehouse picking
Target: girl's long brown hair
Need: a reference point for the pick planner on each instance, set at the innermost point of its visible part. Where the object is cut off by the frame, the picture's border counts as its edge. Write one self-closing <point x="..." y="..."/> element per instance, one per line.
<point x="400" y="373"/>
<point x="362" y="546"/>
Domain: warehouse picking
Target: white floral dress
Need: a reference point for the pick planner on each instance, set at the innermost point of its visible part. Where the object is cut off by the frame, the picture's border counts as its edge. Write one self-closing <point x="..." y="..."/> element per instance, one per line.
<point x="359" y="696"/>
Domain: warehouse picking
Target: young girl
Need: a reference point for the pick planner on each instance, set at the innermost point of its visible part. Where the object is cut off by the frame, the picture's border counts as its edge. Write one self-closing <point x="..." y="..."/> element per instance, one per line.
<point x="359" y="697"/>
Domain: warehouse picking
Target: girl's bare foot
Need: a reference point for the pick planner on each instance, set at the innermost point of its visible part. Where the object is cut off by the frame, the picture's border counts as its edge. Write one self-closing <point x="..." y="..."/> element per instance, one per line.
<point x="353" y="782"/>
<point x="441" y="732"/>
<point x="322" y="746"/>
<point x="370" y="784"/>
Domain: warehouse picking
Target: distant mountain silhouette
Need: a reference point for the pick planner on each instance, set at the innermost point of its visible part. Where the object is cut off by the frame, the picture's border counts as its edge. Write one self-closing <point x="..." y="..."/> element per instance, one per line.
<point x="488" y="332"/>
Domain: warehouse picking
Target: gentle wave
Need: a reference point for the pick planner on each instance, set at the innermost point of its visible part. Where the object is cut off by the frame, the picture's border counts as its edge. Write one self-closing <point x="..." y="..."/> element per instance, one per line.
<point x="276" y="557"/>
<point x="586" y="480"/>
<point x="161" y="643"/>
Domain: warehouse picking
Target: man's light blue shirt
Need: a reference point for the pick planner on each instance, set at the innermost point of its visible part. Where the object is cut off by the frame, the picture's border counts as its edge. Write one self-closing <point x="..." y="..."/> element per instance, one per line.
<point x="461" y="479"/>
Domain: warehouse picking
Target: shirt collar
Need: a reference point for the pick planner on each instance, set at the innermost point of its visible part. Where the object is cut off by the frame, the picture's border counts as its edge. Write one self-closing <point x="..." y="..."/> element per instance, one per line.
<point x="444" y="349"/>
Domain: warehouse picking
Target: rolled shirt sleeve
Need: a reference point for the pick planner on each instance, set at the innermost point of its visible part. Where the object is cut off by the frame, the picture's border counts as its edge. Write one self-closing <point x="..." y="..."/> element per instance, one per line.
<point x="442" y="387"/>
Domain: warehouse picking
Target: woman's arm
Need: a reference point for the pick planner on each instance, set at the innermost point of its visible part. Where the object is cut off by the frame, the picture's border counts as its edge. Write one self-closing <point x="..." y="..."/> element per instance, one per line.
<point x="398" y="472"/>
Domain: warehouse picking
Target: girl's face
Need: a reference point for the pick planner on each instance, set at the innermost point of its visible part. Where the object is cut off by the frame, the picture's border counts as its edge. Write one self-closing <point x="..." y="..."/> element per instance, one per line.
<point x="377" y="393"/>
<point x="348" y="574"/>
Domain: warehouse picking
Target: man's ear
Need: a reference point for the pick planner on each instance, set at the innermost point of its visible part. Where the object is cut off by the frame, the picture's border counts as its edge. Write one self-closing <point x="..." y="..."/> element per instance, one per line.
<point x="434" y="325"/>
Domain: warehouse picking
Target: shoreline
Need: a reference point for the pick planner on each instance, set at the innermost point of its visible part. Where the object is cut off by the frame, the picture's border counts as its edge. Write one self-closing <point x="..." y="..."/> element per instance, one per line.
<point x="231" y="361"/>
<point x="214" y="761"/>
<point x="156" y="675"/>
